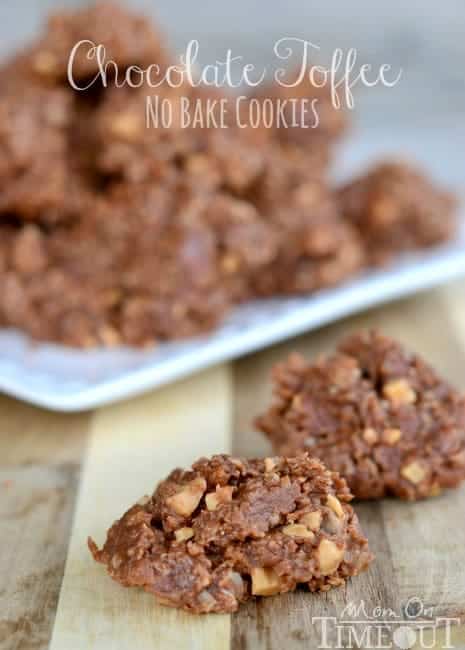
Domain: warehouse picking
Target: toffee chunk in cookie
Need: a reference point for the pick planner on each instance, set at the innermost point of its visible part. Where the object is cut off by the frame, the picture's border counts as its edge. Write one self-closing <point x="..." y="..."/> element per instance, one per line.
<point x="376" y="414"/>
<point x="397" y="208"/>
<point x="228" y="529"/>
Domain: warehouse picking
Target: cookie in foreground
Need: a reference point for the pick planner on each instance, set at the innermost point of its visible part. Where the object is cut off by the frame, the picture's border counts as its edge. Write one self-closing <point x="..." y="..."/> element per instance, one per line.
<point x="375" y="413"/>
<point x="228" y="529"/>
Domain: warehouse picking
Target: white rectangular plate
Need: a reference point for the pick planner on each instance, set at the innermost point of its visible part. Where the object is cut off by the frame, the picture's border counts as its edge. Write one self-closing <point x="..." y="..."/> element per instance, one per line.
<point x="72" y="380"/>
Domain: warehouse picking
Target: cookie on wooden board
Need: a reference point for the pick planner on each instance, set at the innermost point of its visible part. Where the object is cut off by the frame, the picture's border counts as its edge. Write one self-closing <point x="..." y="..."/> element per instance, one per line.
<point x="375" y="413"/>
<point x="228" y="529"/>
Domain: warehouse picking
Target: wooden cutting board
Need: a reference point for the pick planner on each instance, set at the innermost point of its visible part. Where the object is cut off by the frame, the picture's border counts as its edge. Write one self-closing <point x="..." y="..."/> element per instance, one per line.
<point x="113" y="456"/>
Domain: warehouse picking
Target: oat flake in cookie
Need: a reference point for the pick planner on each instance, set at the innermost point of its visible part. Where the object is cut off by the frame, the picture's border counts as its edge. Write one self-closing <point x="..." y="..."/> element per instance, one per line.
<point x="376" y="414"/>
<point x="212" y="536"/>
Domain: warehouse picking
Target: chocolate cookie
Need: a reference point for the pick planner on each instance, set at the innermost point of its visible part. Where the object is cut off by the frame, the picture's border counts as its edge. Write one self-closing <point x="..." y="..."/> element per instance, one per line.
<point x="376" y="414"/>
<point x="200" y="139"/>
<point x="131" y="148"/>
<point x="246" y="242"/>
<point x="275" y="222"/>
<point x="151" y="278"/>
<point x="317" y="249"/>
<point x="38" y="183"/>
<point x="128" y="38"/>
<point x="397" y="208"/>
<point x="212" y="536"/>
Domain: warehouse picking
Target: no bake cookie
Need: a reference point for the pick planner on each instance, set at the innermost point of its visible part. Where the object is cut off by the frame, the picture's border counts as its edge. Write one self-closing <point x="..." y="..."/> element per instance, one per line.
<point x="397" y="208"/>
<point x="128" y="39"/>
<point x="151" y="278"/>
<point x="375" y="413"/>
<point x="38" y="180"/>
<point x="316" y="248"/>
<point x="228" y="529"/>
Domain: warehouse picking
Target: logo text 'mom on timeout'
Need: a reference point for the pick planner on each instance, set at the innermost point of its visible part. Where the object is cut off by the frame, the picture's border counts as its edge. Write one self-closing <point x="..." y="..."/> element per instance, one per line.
<point x="383" y="629"/>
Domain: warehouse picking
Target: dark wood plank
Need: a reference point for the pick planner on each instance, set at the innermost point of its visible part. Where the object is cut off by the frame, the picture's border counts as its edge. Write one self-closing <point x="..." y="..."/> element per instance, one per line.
<point x="36" y="505"/>
<point x="40" y="457"/>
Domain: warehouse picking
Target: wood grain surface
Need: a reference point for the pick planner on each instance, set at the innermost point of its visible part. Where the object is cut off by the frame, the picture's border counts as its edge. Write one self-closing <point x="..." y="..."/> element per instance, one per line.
<point x="113" y="456"/>
<point x="132" y="447"/>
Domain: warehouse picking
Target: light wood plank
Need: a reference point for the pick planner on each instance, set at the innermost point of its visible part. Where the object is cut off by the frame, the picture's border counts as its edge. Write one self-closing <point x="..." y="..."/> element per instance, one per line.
<point x="132" y="446"/>
<point x="29" y="435"/>
<point x="414" y="556"/>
